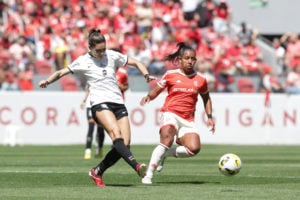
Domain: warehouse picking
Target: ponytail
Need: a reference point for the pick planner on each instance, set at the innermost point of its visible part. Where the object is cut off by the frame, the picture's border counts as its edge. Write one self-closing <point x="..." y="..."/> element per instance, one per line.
<point x="182" y="47"/>
<point x="95" y="37"/>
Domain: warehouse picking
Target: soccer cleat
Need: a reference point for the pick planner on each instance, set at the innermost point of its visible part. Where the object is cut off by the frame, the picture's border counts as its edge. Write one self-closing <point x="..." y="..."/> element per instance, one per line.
<point x="160" y="165"/>
<point x="96" y="178"/>
<point x="147" y="180"/>
<point x="141" y="169"/>
<point x="99" y="153"/>
<point x="87" y="154"/>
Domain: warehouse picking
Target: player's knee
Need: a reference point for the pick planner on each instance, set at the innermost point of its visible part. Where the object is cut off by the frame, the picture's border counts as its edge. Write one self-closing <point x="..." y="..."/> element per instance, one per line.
<point x="167" y="135"/>
<point x="115" y="132"/>
<point x="167" y="140"/>
<point x="193" y="149"/>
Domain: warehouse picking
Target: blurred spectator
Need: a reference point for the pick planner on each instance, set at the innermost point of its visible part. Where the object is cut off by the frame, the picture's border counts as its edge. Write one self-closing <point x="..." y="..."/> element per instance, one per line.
<point x="235" y="49"/>
<point x="222" y="16"/>
<point x="144" y="15"/>
<point x="25" y="77"/>
<point x="10" y="83"/>
<point x="189" y="8"/>
<point x="141" y="53"/>
<point x="204" y="68"/>
<point x="224" y="70"/>
<point x="279" y="52"/>
<point x="20" y="52"/>
<point x="293" y="81"/>
<point x="205" y="12"/>
<point x="271" y="82"/>
<point x="252" y="51"/>
<point x="245" y="34"/>
<point x="293" y="51"/>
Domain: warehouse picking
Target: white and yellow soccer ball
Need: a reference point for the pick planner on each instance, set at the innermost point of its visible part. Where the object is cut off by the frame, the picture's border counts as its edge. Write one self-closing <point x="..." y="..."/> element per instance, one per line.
<point x="230" y="164"/>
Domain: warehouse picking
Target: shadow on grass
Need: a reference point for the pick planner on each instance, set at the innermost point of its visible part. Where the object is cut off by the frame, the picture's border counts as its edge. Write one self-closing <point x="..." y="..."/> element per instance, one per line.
<point x="121" y="185"/>
<point x="187" y="182"/>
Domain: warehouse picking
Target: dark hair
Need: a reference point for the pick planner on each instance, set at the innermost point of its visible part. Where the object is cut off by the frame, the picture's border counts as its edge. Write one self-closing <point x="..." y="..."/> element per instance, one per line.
<point x="182" y="47"/>
<point x="95" y="37"/>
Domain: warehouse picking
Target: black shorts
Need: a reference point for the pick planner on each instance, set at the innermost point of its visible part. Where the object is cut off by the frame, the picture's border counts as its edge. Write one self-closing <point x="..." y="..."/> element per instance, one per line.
<point x="118" y="109"/>
<point x="89" y="113"/>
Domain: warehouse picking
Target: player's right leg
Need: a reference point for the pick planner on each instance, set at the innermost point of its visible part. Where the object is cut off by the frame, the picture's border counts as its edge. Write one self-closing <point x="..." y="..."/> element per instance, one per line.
<point x="157" y="155"/>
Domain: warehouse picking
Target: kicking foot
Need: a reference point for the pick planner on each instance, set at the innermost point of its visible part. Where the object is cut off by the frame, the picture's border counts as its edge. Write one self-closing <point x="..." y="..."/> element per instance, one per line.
<point x="141" y="169"/>
<point x="96" y="178"/>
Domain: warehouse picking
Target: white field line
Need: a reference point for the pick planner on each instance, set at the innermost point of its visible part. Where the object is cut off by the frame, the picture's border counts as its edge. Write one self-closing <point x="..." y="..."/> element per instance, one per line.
<point x="120" y="172"/>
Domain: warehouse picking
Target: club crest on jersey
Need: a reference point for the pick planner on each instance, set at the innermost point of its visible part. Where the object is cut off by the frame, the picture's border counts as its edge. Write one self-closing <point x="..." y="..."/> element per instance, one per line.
<point x="196" y="83"/>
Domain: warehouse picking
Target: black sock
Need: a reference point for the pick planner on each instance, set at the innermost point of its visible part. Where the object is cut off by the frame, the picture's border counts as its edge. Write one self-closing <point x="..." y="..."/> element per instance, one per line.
<point x="110" y="159"/>
<point x="100" y="136"/>
<point x="89" y="138"/>
<point x="125" y="152"/>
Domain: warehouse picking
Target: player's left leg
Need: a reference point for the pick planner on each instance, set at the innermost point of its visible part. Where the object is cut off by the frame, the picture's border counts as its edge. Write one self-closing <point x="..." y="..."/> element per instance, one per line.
<point x="100" y="140"/>
<point x="189" y="146"/>
<point x="188" y="139"/>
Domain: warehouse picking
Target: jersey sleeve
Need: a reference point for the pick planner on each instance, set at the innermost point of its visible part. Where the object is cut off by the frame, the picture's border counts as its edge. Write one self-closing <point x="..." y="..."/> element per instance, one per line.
<point x="163" y="81"/>
<point x="119" y="58"/>
<point x="75" y="65"/>
<point x="204" y="88"/>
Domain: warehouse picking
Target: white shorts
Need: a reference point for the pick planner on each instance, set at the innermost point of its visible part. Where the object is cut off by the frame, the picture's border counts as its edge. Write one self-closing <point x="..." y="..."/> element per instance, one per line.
<point x="182" y="126"/>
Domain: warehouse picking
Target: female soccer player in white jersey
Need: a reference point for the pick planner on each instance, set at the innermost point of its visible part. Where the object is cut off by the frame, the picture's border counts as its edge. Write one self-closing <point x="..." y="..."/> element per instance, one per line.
<point x="98" y="66"/>
<point x="178" y="112"/>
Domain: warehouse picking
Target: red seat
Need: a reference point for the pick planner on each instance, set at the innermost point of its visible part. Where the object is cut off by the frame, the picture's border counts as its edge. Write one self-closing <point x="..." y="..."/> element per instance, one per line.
<point x="68" y="83"/>
<point x="43" y="67"/>
<point x="245" y="85"/>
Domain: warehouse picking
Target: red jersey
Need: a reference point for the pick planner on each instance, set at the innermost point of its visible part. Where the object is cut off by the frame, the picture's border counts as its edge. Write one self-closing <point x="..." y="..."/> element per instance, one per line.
<point x="183" y="92"/>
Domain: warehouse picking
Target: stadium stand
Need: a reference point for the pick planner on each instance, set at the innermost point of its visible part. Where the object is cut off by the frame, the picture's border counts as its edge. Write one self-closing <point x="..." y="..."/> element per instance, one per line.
<point x="147" y="30"/>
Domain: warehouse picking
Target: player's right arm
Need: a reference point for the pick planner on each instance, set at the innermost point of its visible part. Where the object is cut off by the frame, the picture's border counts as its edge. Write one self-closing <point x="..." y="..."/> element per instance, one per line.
<point x="151" y="95"/>
<point x="54" y="77"/>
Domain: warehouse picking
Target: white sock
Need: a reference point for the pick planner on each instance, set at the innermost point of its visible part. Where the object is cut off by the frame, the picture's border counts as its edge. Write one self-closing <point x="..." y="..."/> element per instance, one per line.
<point x="156" y="157"/>
<point x="88" y="150"/>
<point x="179" y="152"/>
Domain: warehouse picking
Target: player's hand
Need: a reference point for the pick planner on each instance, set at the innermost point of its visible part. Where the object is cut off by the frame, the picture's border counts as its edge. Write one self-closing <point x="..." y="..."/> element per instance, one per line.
<point x="43" y="83"/>
<point x="149" y="78"/>
<point x="82" y="105"/>
<point x="211" y="125"/>
<point x="145" y="100"/>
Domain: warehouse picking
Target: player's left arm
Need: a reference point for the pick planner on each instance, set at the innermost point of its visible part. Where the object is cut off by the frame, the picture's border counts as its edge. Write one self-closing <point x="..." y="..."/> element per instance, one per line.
<point x="208" y="109"/>
<point x="141" y="67"/>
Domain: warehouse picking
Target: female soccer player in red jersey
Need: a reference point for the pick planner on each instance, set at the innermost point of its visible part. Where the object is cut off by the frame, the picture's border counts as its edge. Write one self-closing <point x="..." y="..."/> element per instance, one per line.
<point x="178" y="112"/>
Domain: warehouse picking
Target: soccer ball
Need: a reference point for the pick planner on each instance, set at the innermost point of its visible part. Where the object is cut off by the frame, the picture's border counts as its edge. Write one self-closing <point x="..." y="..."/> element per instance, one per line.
<point x="230" y="164"/>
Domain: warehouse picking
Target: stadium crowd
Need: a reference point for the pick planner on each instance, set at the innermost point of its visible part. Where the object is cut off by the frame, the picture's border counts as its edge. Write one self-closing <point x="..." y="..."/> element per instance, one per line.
<point x="41" y="36"/>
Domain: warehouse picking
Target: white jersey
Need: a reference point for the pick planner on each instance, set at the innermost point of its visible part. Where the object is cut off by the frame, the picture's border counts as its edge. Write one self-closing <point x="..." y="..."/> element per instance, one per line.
<point x="100" y="75"/>
<point x="88" y="102"/>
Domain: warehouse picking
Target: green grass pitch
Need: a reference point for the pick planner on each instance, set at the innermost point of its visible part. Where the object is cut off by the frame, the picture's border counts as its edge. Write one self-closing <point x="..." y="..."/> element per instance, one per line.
<point x="59" y="172"/>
